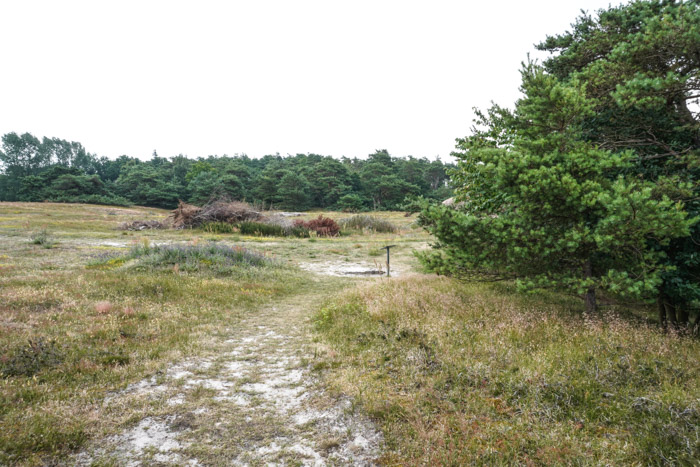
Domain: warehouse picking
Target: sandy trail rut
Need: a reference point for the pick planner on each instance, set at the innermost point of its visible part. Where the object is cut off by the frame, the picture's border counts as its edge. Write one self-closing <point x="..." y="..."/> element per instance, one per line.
<point x="255" y="402"/>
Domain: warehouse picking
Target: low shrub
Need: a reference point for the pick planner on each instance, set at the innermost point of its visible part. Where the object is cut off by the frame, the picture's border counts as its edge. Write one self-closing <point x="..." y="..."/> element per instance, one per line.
<point x="323" y="226"/>
<point x="370" y="223"/>
<point x="28" y="360"/>
<point x="279" y="219"/>
<point x="299" y="232"/>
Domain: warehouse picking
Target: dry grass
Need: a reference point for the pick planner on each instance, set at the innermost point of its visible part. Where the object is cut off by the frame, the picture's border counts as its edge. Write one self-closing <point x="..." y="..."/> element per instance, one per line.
<point x="70" y="333"/>
<point x="82" y="320"/>
<point x="465" y="374"/>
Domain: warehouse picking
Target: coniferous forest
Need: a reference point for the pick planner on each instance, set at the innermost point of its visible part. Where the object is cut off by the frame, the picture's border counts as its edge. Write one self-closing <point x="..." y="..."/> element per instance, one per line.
<point x="53" y="169"/>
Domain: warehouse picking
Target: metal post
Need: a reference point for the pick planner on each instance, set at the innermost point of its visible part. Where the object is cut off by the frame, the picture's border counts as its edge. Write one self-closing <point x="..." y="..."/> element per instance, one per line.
<point x="388" y="270"/>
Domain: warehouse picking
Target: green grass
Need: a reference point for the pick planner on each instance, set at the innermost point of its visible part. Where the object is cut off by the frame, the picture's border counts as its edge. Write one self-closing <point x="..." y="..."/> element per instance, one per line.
<point x="271" y="230"/>
<point x="258" y="229"/>
<point x="469" y="374"/>
<point x="219" y="227"/>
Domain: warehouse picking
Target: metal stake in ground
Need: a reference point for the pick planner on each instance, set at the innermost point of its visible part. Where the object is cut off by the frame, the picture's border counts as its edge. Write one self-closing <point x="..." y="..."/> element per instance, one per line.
<point x="388" y="271"/>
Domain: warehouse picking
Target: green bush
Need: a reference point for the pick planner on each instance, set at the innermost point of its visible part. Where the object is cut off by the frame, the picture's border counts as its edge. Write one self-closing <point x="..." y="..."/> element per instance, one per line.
<point x="351" y="203"/>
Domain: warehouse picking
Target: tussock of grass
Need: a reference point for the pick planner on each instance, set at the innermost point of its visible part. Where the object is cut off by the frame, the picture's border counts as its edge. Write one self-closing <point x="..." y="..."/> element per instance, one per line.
<point x="193" y="258"/>
<point x="469" y="374"/>
<point x="364" y="222"/>
<point x="208" y="257"/>
<point x="43" y="238"/>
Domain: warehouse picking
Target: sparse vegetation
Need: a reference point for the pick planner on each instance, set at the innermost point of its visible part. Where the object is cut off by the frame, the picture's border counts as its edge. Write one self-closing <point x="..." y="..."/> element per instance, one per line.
<point x="560" y="325"/>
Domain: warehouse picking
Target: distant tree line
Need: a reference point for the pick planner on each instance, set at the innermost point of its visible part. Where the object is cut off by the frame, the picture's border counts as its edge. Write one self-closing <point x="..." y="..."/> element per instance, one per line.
<point x="52" y="169"/>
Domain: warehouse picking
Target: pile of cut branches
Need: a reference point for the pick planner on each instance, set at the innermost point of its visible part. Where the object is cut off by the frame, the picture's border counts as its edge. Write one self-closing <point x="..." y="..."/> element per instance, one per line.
<point x="188" y="216"/>
<point x="185" y="215"/>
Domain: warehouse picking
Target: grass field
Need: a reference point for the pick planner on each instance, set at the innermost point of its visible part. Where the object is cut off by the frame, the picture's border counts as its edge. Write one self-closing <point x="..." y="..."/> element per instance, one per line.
<point x="89" y="309"/>
<point x="452" y="373"/>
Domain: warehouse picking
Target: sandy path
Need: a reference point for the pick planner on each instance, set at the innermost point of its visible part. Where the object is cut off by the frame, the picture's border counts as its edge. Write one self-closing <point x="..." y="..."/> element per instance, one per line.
<point x="256" y="402"/>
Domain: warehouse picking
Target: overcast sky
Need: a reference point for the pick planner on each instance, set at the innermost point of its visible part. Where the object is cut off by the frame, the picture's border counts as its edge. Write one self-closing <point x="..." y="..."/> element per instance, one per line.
<point x="261" y="77"/>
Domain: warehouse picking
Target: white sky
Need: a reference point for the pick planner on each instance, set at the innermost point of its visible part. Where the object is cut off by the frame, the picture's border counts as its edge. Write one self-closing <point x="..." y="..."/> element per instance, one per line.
<point x="260" y="77"/>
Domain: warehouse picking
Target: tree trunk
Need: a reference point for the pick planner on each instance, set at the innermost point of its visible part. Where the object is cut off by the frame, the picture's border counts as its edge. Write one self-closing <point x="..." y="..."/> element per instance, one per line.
<point x="590" y="300"/>
<point x="590" y="293"/>
<point x="682" y="316"/>
<point x="662" y="310"/>
<point x="670" y="311"/>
